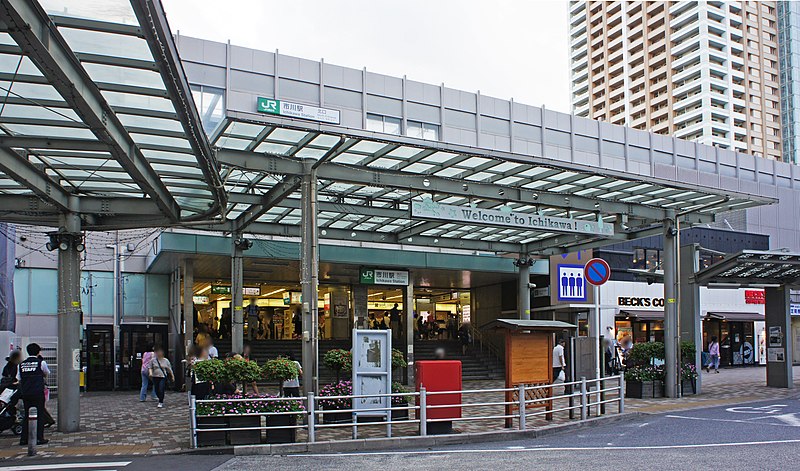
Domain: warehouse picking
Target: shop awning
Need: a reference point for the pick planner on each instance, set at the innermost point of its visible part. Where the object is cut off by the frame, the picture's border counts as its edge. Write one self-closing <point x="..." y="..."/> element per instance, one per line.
<point x="736" y="316"/>
<point x="643" y="315"/>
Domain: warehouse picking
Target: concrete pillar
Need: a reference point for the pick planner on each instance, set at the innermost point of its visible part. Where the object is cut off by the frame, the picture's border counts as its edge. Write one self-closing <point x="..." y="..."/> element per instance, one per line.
<point x="360" y="311"/>
<point x="69" y="326"/>
<point x="309" y="278"/>
<point x="174" y="335"/>
<point x="524" y="289"/>
<point x="188" y="305"/>
<point x="408" y="307"/>
<point x="671" y="329"/>
<point x="691" y="323"/>
<point x="779" y="347"/>
<point x="237" y="295"/>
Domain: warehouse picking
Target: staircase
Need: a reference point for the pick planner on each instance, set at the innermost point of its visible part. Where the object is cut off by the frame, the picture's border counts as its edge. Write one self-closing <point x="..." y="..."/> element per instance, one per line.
<point x="475" y="365"/>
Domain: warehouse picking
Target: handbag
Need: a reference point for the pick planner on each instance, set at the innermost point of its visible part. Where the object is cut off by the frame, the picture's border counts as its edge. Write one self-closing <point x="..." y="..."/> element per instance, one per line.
<point x="561" y="376"/>
<point x="166" y="377"/>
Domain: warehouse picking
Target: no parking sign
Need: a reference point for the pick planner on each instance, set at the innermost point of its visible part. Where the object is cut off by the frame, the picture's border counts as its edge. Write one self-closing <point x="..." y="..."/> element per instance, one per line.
<point x="596" y="272"/>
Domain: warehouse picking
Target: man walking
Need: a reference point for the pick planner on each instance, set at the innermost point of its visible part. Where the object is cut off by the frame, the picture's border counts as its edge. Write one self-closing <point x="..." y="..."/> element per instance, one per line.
<point x="32" y="373"/>
<point x="559" y="362"/>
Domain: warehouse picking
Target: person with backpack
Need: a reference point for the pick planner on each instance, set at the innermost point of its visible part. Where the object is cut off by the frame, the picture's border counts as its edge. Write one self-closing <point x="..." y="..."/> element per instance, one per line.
<point x="31" y="374"/>
<point x="159" y="370"/>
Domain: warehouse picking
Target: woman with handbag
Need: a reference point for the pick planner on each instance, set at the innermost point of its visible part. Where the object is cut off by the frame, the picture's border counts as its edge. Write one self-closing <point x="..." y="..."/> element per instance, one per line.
<point x="160" y="369"/>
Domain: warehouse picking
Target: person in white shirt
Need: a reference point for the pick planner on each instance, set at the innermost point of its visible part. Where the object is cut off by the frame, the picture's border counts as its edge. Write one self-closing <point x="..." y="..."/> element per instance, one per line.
<point x="559" y="362"/>
<point x="212" y="350"/>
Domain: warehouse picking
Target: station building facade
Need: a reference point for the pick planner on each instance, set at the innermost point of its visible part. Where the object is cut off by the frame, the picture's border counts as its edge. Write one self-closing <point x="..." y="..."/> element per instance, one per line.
<point x="468" y="285"/>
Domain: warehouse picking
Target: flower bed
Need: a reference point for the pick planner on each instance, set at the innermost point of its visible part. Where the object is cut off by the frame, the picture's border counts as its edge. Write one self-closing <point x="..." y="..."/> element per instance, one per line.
<point x="239" y="413"/>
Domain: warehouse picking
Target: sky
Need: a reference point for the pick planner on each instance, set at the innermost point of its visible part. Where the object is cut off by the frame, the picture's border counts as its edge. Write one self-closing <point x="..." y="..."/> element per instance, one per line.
<point x="506" y="49"/>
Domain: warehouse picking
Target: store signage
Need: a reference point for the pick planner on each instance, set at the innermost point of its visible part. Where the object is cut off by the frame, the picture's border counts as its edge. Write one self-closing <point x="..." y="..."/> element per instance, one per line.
<point x="376" y="276"/>
<point x="429" y="209"/>
<point x="541" y="292"/>
<point x="220" y="289"/>
<point x="466" y="314"/>
<point x="200" y="299"/>
<point x="297" y="110"/>
<point x="292" y="297"/>
<point x="632" y="301"/>
<point x="443" y="298"/>
<point x="794" y="309"/>
<point x="251" y="291"/>
<point x="754" y="296"/>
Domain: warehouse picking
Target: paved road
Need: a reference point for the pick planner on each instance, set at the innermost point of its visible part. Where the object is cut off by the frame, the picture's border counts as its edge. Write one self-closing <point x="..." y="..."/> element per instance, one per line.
<point x="758" y="435"/>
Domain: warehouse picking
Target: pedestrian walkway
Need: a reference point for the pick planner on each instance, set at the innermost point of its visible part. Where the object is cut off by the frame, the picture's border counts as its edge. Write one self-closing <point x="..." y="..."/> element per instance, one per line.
<point x="729" y="386"/>
<point x="114" y="424"/>
<point x="117" y="424"/>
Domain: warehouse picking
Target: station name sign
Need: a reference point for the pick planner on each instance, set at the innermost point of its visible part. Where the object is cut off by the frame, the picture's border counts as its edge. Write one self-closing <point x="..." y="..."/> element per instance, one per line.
<point x="428" y="209"/>
<point x="297" y="110"/>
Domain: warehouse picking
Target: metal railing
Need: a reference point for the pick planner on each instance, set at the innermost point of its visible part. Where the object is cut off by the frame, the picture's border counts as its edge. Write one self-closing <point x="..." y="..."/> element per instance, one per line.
<point x="531" y="401"/>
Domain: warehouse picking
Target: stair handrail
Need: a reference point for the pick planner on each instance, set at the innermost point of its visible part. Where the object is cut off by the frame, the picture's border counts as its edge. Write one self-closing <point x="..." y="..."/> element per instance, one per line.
<point x="476" y="334"/>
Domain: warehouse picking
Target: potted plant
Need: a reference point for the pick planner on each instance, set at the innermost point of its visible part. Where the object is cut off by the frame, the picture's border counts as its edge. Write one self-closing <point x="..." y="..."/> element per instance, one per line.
<point x="398" y="363"/>
<point x="688" y="371"/>
<point x="207" y="415"/>
<point x="283" y="435"/>
<point x="645" y="378"/>
<point x="338" y="359"/>
<point x="330" y="406"/>
<point x="400" y="403"/>
<point x="280" y="370"/>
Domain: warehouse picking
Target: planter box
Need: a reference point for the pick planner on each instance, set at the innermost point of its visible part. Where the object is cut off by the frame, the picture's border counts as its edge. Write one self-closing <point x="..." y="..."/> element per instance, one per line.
<point x="688" y="387"/>
<point x="333" y="417"/>
<point x="211" y="438"/>
<point x="244" y="437"/>
<point x="399" y="413"/>
<point x="282" y="435"/>
<point x="644" y="390"/>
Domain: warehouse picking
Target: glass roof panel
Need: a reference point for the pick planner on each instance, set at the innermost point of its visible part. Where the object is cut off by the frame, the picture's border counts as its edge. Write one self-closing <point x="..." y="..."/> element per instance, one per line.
<point x="106" y="44"/>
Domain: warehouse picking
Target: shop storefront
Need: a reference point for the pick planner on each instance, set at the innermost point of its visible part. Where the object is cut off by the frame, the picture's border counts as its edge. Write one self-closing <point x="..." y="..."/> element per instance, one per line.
<point x="635" y="311"/>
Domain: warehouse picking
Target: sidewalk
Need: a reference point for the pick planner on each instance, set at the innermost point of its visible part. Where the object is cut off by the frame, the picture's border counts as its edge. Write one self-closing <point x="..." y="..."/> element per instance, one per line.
<point x="117" y="424"/>
<point x="729" y="386"/>
<point x="114" y="423"/>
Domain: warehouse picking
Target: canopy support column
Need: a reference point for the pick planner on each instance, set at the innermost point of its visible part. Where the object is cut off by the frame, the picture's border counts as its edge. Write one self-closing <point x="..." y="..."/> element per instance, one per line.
<point x="188" y="304"/>
<point x="671" y="329"/>
<point x="69" y="321"/>
<point x="237" y="294"/>
<point x="408" y="307"/>
<point x="689" y="300"/>
<point x="524" y="289"/>
<point x="779" y="348"/>
<point x="309" y="277"/>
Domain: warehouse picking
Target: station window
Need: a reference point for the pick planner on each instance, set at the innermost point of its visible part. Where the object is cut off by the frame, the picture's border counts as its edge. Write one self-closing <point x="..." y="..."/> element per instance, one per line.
<point x="211" y="103"/>
<point x="647" y="259"/>
<point x="384" y="124"/>
<point x="423" y="130"/>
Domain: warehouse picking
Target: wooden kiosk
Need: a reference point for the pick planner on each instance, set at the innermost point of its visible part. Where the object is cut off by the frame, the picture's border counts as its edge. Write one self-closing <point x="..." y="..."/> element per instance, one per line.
<point x="529" y="358"/>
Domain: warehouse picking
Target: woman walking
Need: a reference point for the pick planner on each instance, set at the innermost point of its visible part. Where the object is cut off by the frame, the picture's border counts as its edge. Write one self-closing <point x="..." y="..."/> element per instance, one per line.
<point x="158" y="371"/>
<point x="713" y="352"/>
<point x="146" y="383"/>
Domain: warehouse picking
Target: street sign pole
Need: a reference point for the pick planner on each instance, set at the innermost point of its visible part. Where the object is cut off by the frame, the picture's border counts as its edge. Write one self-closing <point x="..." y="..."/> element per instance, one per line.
<point x="596" y="272"/>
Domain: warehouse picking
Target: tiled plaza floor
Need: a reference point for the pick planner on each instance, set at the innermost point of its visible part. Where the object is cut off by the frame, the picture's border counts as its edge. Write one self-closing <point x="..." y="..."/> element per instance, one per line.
<point x="118" y="424"/>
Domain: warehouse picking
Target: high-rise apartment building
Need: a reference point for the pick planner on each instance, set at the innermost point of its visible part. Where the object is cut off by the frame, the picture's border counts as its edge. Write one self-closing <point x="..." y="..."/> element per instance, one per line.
<point x="789" y="65"/>
<point x="703" y="71"/>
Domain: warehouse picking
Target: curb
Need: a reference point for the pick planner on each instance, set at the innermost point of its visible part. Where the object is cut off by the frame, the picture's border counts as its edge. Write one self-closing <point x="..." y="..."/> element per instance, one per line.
<point x="375" y="444"/>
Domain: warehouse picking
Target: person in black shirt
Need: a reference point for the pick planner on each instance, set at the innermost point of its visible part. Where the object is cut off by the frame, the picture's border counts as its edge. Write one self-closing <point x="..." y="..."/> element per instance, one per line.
<point x="32" y="373"/>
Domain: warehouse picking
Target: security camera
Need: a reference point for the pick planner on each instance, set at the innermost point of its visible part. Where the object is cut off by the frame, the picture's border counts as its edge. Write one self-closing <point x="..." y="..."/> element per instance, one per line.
<point x="23" y="238"/>
<point x="532" y="285"/>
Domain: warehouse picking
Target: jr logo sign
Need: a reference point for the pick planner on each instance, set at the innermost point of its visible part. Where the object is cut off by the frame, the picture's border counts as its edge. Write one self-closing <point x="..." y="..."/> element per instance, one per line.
<point x="268" y="105"/>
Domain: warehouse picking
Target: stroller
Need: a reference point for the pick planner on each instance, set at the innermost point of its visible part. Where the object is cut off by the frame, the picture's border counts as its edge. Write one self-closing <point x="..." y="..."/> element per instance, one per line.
<point x="9" y="415"/>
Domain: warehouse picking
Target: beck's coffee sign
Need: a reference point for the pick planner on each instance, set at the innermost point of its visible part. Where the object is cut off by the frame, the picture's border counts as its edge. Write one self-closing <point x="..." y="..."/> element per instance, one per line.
<point x="633" y="301"/>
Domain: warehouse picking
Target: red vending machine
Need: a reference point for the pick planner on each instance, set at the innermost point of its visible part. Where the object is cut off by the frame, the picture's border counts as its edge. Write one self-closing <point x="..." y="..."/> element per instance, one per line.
<point x="440" y="375"/>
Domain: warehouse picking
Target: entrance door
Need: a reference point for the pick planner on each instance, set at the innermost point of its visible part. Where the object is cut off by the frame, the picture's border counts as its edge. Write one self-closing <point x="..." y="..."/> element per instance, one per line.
<point x="100" y="365"/>
<point x="135" y="340"/>
<point x="736" y="334"/>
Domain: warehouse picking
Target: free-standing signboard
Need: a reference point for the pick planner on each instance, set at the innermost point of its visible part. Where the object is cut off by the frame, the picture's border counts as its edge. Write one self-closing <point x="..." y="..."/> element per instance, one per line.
<point x="372" y="374"/>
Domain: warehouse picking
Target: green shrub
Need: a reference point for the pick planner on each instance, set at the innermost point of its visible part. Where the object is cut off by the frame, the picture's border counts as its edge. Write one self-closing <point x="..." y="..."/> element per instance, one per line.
<point x="338" y="359"/>
<point x="280" y="369"/>
<point x="643" y="353"/>
<point x="210" y="370"/>
<point x="645" y="373"/>
<point x="398" y="360"/>
<point x="400" y="401"/>
<point x="688" y="352"/>
<point x="239" y="370"/>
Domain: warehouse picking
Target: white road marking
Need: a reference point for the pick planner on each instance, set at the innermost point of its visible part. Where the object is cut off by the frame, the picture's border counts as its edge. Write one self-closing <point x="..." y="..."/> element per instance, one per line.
<point x="644" y="424"/>
<point x="773" y="409"/>
<point x="530" y="450"/>
<point x="37" y="467"/>
<point x="735" y="421"/>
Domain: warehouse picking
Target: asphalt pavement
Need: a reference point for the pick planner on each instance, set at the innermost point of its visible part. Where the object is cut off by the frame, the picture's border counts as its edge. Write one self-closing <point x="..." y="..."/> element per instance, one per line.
<point x="762" y="435"/>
